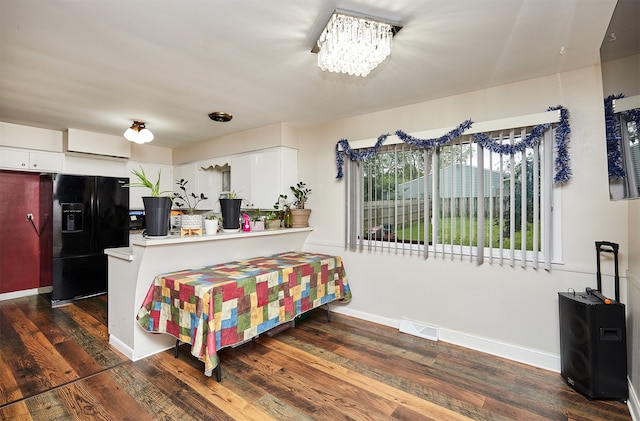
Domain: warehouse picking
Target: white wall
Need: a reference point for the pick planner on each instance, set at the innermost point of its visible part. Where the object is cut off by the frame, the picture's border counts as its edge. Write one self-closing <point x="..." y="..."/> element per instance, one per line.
<point x="509" y="305"/>
<point x="280" y="134"/>
<point x="633" y="306"/>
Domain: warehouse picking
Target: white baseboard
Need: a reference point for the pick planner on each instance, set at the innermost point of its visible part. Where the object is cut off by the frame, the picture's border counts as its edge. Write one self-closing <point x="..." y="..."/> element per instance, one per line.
<point x="512" y="352"/>
<point x="128" y="351"/>
<point x="633" y="403"/>
<point x="394" y="323"/>
<point x="120" y="346"/>
<point x="24" y="293"/>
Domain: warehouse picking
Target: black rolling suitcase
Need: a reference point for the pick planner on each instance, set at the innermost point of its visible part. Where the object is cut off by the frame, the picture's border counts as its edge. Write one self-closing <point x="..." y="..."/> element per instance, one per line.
<point x="593" y="346"/>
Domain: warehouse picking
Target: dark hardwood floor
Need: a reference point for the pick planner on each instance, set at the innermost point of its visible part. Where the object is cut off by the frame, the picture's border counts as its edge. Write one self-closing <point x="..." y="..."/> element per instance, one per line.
<point x="56" y="364"/>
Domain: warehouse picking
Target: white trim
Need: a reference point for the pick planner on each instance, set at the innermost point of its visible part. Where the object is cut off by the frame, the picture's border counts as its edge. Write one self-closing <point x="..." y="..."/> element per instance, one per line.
<point x="511" y="352"/>
<point x="626" y="104"/>
<point x="480" y="127"/>
<point x="121" y="346"/>
<point x="529" y="356"/>
<point x="550" y="249"/>
<point x="385" y="321"/>
<point x="128" y="351"/>
<point x="25" y="293"/>
<point x="633" y="403"/>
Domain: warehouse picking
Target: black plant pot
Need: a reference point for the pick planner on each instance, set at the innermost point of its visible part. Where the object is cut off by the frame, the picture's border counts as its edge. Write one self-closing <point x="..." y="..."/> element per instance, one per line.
<point x="230" y="213"/>
<point x="157" y="215"/>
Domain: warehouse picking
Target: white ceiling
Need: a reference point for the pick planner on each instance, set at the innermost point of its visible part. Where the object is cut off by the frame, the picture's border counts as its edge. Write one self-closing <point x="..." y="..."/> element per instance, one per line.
<point x="99" y="64"/>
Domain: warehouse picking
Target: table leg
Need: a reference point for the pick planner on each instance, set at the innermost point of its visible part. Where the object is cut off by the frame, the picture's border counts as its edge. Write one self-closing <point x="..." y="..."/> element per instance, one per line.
<point x="219" y="371"/>
<point x="328" y="312"/>
<point x="175" y="350"/>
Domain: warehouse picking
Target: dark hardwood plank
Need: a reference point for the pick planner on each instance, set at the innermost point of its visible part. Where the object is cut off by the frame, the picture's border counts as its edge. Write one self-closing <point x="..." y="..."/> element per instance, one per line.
<point x="146" y="392"/>
<point x="16" y="412"/>
<point x="215" y="393"/>
<point x="81" y="362"/>
<point x="173" y="389"/>
<point x="114" y="399"/>
<point x="381" y="389"/>
<point x="57" y="364"/>
<point x="37" y="363"/>
<point x="9" y="389"/>
<point x="79" y="403"/>
<point x="381" y="369"/>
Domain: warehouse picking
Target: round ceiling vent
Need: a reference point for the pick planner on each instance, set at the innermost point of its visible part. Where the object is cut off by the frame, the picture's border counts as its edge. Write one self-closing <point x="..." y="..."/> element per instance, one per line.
<point x="220" y="116"/>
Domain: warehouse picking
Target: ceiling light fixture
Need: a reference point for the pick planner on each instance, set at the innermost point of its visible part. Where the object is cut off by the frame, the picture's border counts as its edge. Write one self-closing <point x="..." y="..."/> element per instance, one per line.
<point x="220" y="116"/>
<point x="138" y="133"/>
<point x="353" y="43"/>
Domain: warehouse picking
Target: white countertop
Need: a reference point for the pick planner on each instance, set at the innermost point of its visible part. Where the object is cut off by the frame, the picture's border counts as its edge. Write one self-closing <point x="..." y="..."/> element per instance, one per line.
<point x="139" y="240"/>
<point x="126" y="253"/>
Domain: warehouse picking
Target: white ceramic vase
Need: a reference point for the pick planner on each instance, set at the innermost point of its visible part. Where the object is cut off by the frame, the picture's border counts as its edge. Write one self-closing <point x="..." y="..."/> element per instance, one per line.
<point x="191" y="221"/>
<point x="211" y="226"/>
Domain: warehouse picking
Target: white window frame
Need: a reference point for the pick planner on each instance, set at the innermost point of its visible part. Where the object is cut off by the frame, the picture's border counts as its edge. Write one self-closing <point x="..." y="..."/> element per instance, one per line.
<point x="463" y="252"/>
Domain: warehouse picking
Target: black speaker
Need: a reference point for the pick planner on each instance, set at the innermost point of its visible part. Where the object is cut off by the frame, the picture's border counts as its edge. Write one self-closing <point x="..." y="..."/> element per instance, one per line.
<point x="593" y="345"/>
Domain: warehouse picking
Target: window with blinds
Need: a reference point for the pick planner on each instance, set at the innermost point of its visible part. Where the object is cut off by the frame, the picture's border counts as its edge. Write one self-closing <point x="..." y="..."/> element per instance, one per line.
<point x="459" y="201"/>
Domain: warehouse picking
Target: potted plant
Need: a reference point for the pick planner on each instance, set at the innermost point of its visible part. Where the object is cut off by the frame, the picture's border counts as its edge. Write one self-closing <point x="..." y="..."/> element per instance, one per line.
<point x="257" y="221"/>
<point x="157" y="206"/>
<point x="230" y="206"/>
<point x="272" y="221"/>
<point x="190" y="200"/>
<point x="300" y="215"/>
<point x="211" y="224"/>
<point x="283" y="207"/>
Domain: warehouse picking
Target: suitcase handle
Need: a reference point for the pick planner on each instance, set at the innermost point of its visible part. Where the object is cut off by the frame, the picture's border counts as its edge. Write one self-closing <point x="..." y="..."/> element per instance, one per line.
<point x="608" y="247"/>
<point x="614" y="247"/>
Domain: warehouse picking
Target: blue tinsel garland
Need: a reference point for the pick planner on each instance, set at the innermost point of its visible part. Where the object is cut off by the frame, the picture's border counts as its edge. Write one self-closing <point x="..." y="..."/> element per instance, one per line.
<point x="563" y="171"/>
<point x="612" y="129"/>
<point x="614" y="136"/>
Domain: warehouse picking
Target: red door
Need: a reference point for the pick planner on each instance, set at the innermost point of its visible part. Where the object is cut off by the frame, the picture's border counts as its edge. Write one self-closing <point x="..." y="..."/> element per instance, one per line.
<point x="22" y="259"/>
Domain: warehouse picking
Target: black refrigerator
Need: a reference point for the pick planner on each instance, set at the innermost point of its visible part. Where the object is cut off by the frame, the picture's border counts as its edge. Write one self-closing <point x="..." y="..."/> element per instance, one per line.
<point x="90" y="213"/>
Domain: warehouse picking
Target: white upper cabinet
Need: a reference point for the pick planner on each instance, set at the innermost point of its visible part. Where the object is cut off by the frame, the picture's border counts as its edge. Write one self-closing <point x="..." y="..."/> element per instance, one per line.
<point x="25" y="160"/>
<point x="45" y="161"/>
<point x="18" y="136"/>
<point x="261" y="176"/>
<point x="204" y="177"/>
<point x="209" y="182"/>
<point x="136" y="194"/>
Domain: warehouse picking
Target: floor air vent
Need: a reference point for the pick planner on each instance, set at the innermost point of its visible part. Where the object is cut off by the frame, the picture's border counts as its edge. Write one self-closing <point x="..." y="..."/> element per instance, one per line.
<point x="419" y="329"/>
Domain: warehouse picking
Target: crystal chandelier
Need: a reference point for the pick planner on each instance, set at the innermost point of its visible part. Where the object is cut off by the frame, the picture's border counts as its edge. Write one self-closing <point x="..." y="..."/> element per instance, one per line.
<point x="354" y="44"/>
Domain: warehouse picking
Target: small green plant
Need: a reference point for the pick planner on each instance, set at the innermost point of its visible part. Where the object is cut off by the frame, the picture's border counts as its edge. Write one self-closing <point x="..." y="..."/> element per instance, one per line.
<point x="214" y="217"/>
<point x="282" y="203"/>
<point x="143" y="181"/>
<point x="231" y="194"/>
<point x="270" y="216"/>
<point x="301" y="192"/>
<point x="184" y="198"/>
<point x="255" y="214"/>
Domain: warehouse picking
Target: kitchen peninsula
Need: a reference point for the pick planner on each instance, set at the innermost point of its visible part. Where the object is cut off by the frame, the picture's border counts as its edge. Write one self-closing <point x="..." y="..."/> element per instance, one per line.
<point x="132" y="270"/>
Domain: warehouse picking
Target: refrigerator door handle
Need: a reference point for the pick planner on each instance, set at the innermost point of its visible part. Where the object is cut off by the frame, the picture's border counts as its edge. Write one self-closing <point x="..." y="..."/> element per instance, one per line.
<point x="95" y="202"/>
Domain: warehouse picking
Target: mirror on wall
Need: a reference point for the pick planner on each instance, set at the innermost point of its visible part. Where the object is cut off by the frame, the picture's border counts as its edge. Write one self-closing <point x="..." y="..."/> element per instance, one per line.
<point x="620" y="63"/>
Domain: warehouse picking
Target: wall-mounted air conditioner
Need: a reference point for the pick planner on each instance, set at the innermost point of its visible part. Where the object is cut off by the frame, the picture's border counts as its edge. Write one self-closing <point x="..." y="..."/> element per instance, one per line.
<point x="104" y="145"/>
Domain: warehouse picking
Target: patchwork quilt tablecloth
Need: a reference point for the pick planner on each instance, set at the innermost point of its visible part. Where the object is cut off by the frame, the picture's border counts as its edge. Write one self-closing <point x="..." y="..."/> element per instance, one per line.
<point x="226" y="304"/>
